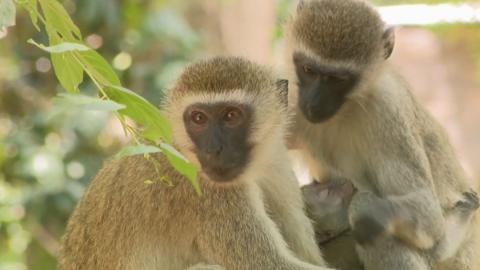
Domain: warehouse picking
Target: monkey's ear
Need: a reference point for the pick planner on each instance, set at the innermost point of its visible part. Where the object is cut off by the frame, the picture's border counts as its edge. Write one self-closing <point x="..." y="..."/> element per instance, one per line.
<point x="282" y="88"/>
<point x="388" y="41"/>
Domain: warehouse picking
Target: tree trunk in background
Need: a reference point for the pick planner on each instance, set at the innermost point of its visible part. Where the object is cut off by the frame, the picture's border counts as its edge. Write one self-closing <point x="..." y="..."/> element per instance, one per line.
<point x="235" y="27"/>
<point x="247" y="28"/>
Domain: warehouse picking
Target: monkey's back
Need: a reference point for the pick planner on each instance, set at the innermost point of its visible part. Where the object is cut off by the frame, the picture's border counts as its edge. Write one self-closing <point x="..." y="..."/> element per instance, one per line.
<point x="398" y="111"/>
<point x="447" y="172"/>
<point x="449" y="178"/>
<point x="123" y="218"/>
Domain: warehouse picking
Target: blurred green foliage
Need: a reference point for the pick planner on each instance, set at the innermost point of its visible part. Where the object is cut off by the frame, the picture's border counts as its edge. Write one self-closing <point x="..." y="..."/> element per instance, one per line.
<point x="48" y="154"/>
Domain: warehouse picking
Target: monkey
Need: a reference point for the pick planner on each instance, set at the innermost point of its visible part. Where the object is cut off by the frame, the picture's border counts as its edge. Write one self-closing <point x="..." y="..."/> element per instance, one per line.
<point x="229" y="119"/>
<point x="206" y="267"/>
<point x="327" y="206"/>
<point x="355" y="117"/>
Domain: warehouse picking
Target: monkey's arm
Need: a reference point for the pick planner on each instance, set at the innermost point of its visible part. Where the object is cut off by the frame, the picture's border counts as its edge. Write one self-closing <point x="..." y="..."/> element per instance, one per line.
<point x="404" y="204"/>
<point x="206" y="267"/>
<point x="285" y="206"/>
<point x="373" y="217"/>
<point x="242" y="236"/>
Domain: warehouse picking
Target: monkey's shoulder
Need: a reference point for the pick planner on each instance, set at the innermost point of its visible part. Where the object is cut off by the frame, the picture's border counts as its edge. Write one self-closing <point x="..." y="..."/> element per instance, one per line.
<point x="152" y="179"/>
<point x="135" y="175"/>
<point x="392" y="109"/>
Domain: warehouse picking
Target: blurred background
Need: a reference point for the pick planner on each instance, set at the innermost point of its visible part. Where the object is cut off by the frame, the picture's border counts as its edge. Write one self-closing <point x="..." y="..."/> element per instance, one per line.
<point x="48" y="154"/>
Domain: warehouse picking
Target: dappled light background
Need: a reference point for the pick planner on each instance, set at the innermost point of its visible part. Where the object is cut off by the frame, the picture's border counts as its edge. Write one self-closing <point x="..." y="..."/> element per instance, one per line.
<point x="49" y="151"/>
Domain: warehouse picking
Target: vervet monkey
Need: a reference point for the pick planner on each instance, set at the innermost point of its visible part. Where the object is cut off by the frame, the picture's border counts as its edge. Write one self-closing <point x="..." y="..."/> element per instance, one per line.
<point x="356" y="118"/>
<point x="327" y="205"/>
<point x="229" y="118"/>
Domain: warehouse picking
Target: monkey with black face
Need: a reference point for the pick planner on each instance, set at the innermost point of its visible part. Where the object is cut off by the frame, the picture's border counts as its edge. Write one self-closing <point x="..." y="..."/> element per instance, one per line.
<point x="357" y="119"/>
<point x="228" y="118"/>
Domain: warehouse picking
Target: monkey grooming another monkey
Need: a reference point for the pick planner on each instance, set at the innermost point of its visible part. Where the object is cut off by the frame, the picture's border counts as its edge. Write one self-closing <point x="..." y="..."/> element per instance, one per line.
<point x="357" y="119"/>
<point x="229" y="118"/>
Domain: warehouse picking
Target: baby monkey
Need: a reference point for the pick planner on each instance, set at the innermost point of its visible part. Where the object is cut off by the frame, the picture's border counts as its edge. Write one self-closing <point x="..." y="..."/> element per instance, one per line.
<point x="327" y="206"/>
<point x="229" y="118"/>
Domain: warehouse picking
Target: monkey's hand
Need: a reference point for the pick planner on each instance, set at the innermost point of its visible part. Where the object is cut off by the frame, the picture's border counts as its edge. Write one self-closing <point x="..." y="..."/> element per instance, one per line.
<point x="369" y="217"/>
<point x="469" y="204"/>
<point x="373" y="218"/>
<point x="457" y="225"/>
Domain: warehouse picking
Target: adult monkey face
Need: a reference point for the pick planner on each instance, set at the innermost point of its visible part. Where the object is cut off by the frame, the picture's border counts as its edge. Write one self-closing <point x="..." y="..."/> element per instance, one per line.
<point x="334" y="48"/>
<point x="219" y="132"/>
<point x="322" y="88"/>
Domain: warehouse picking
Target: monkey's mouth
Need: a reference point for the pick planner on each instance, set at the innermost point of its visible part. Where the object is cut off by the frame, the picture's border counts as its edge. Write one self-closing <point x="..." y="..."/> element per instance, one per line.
<point x="317" y="116"/>
<point x="221" y="173"/>
<point x="321" y="112"/>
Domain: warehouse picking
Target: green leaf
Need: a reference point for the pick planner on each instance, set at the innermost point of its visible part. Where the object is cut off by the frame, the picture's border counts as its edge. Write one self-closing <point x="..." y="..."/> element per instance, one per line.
<point x="61" y="47"/>
<point x="68" y="71"/>
<point x="155" y="125"/>
<point x="86" y="102"/>
<point x="7" y="13"/>
<point x="67" y="68"/>
<point x="58" y="21"/>
<point x="32" y="8"/>
<point x="99" y="68"/>
<point x="137" y="149"/>
<point x="182" y="165"/>
<point x="148" y="182"/>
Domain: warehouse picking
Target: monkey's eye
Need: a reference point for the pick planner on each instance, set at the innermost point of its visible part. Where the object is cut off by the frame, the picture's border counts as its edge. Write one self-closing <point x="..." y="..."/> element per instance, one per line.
<point x="232" y="116"/>
<point x="308" y="69"/>
<point x="198" y="118"/>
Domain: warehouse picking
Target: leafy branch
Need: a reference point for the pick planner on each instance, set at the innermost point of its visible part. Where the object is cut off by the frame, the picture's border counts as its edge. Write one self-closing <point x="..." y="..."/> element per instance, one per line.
<point x="71" y="59"/>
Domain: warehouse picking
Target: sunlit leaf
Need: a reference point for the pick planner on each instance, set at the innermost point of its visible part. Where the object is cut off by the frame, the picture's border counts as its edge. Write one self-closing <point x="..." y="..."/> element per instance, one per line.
<point x="32" y="8"/>
<point x="67" y="70"/>
<point x="182" y="165"/>
<point x="87" y="102"/>
<point x="58" y="20"/>
<point x="137" y="149"/>
<point x="148" y="182"/>
<point x="176" y="159"/>
<point x="155" y="125"/>
<point x="61" y="47"/>
<point x="7" y="13"/>
<point x="99" y="68"/>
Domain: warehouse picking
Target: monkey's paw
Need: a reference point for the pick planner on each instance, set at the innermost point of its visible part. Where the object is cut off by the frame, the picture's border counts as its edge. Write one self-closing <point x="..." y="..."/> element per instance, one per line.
<point x="470" y="203"/>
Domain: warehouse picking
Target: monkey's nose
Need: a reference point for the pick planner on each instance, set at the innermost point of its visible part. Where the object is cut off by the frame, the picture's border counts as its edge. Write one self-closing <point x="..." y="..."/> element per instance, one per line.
<point x="214" y="151"/>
